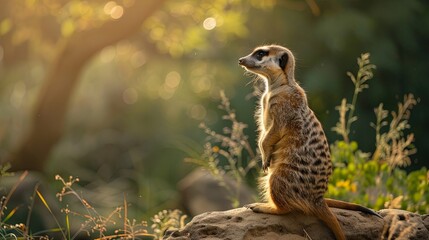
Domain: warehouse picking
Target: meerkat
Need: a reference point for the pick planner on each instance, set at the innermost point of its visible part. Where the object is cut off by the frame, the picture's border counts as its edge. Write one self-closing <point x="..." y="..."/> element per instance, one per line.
<point x="294" y="149"/>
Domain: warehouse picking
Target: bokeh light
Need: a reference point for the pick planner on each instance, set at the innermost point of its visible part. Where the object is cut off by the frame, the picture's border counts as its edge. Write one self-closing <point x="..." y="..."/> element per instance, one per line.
<point x="108" y="54"/>
<point x="172" y="79"/>
<point x="197" y="112"/>
<point x="138" y="59"/>
<point x="209" y="23"/>
<point x="115" y="11"/>
<point x="108" y="7"/>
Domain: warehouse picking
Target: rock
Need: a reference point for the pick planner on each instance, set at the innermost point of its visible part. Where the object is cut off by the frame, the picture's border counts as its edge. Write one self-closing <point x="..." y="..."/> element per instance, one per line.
<point x="242" y="223"/>
<point x="201" y="192"/>
<point x="401" y="224"/>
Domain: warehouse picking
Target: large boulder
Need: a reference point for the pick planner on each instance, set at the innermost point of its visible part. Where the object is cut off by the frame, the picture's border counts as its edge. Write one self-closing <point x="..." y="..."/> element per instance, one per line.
<point x="242" y="223"/>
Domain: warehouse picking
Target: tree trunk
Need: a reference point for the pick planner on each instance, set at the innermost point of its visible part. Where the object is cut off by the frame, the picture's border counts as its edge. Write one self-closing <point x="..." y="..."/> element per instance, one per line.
<point x="51" y="107"/>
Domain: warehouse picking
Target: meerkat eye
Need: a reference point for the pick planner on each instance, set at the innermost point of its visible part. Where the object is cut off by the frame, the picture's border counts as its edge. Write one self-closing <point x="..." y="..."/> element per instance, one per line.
<point x="260" y="54"/>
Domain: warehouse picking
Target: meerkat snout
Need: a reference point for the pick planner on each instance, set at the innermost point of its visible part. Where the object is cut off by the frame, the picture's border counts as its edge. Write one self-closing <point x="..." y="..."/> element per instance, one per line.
<point x="240" y="61"/>
<point x="269" y="62"/>
<point x="253" y="60"/>
<point x="247" y="62"/>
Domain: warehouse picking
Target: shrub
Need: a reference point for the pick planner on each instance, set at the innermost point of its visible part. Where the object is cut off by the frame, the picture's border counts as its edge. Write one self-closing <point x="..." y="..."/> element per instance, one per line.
<point x="376" y="179"/>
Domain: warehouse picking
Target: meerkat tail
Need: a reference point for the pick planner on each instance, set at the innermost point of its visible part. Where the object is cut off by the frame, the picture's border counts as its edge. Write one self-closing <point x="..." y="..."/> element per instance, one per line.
<point x="350" y="206"/>
<point x="325" y="214"/>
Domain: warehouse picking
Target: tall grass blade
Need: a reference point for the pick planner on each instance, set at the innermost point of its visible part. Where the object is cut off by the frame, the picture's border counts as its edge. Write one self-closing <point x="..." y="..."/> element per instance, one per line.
<point x="11" y="213"/>
<point x="50" y="211"/>
<point x="21" y="178"/>
<point x="68" y="226"/>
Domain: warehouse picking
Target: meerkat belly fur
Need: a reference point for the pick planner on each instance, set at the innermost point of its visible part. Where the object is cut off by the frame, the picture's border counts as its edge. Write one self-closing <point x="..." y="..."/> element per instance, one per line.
<point x="294" y="149"/>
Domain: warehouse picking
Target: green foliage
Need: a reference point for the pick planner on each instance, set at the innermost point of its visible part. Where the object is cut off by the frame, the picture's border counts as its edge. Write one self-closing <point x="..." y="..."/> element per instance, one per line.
<point x="392" y="146"/>
<point x="359" y="179"/>
<point x="4" y="168"/>
<point x="375" y="179"/>
<point x="208" y="23"/>
<point x="360" y="81"/>
<point x="167" y="220"/>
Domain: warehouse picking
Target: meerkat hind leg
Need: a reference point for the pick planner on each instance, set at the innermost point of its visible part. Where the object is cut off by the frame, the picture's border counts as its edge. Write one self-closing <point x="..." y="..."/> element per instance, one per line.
<point x="266" y="208"/>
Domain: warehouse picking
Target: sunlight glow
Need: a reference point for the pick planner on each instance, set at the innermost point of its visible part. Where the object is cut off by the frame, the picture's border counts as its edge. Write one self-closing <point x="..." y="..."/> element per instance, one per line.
<point x="115" y="11"/>
<point x="108" y="7"/>
<point x="209" y="23"/>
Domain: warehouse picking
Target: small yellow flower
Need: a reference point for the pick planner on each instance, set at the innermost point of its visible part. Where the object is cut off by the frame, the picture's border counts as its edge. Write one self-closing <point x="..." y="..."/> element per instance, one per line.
<point x="353" y="187"/>
<point x="215" y="149"/>
<point x="343" y="184"/>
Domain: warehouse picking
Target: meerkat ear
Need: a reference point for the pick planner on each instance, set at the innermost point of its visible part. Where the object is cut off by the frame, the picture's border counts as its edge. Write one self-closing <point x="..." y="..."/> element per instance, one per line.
<point x="283" y="61"/>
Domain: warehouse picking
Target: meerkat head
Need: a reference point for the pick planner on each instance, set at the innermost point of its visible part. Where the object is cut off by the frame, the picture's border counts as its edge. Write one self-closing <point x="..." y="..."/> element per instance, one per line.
<point x="270" y="62"/>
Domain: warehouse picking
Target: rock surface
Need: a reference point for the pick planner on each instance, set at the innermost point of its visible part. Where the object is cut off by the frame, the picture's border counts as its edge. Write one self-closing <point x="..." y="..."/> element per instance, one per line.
<point x="401" y="224"/>
<point x="242" y="223"/>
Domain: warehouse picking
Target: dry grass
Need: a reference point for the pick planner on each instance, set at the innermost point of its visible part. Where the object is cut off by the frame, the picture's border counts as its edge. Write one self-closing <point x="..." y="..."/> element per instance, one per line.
<point x="92" y="224"/>
<point x="393" y="146"/>
<point x="347" y="110"/>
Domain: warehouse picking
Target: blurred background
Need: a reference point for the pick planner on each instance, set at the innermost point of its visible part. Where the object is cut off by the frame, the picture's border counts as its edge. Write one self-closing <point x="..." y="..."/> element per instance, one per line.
<point x="113" y="92"/>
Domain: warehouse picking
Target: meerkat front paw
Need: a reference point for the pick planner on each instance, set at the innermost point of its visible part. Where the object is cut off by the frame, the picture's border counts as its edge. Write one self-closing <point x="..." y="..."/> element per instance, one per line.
<point x="255" y="207"/>
<point x="264" y="208"/>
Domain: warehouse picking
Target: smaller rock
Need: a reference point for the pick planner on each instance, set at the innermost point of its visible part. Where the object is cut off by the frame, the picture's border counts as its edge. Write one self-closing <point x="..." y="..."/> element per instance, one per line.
<point x="404" y="225"/>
